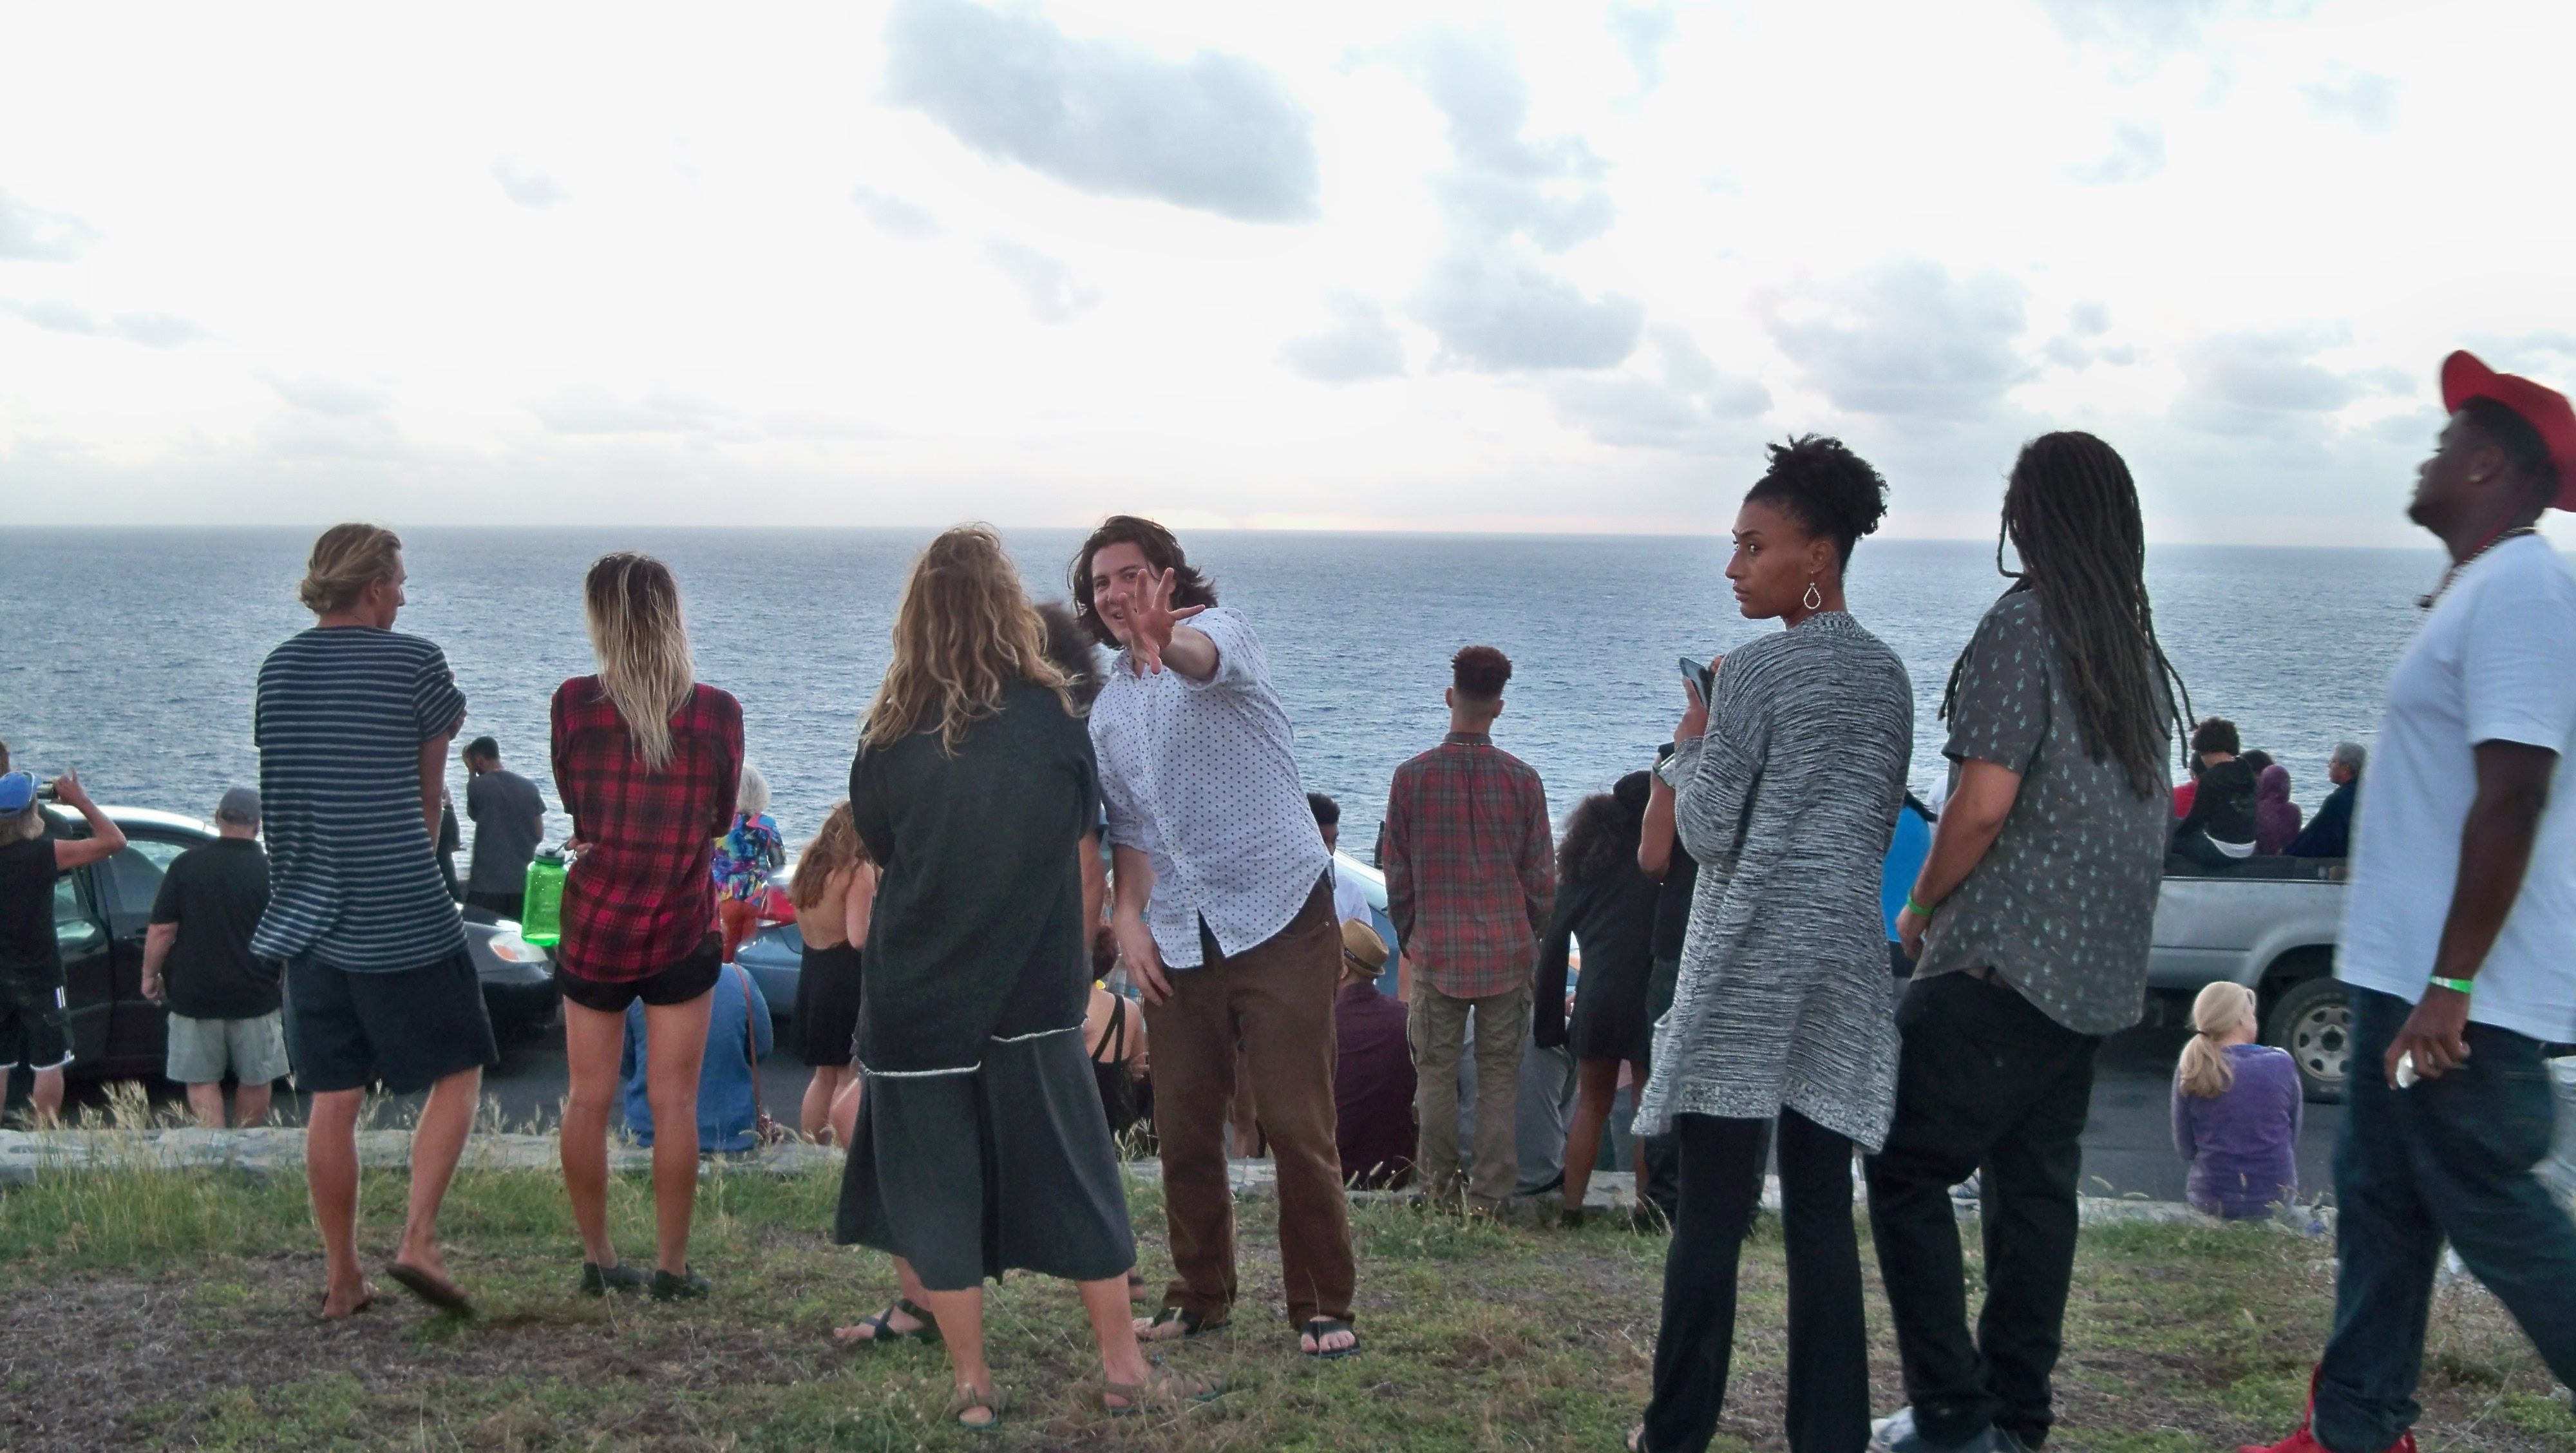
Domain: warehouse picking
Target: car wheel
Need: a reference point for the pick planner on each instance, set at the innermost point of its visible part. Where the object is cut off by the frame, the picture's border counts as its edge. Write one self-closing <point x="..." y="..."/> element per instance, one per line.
<point x="2313" y="1022"/>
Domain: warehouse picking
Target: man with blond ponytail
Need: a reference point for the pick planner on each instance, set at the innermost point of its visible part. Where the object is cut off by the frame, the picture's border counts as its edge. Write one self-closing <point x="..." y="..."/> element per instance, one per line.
<point x="352" y="721"/>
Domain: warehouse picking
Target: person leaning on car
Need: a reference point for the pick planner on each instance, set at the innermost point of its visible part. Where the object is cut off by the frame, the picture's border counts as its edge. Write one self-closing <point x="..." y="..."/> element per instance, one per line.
<point x="196" y="958"/>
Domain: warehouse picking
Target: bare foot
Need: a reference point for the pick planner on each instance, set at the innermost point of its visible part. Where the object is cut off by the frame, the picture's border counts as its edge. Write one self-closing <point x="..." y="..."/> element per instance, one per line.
<point x="1336" y="1339"/>
<point x="898" y="1323"/>
<point x="342" y="1303"/>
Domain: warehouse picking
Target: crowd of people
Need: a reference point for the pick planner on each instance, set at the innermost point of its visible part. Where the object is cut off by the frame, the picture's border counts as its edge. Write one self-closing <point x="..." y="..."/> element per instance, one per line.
<point x="1042" y="795"/>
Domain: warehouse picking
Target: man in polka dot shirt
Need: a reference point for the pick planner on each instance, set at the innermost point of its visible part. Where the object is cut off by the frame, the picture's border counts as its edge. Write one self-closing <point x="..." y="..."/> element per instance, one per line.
<point x="1224" y="917"/>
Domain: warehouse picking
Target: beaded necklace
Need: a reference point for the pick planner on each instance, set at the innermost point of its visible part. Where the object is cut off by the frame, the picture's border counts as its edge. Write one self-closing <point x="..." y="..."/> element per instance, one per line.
<point x="2425" y="602"/>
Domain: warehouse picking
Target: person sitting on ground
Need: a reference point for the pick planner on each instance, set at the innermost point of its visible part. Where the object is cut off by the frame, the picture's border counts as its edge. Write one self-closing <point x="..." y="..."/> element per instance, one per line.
<point x="223" y="998"/>
<point x="509" y="821"/>
<point x="749" y="852"/>
<point x="739" y="1035"/>
<point x="2237" y="1107"/>
<point x="35" y="1019"/>
<point x="2276" y="817"/>
<point x="1603" y="900"/>
<point x="834" y="888"/>
<point x="2329" y="833"/>
<point x="1113" y="1035"/>
<point x="1372" y="1070"/>
<point x="2219" y="828"/>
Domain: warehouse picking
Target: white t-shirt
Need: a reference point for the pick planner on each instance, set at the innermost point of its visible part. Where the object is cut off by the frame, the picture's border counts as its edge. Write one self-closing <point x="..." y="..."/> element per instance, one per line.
<point x="2494" y="662"/>
<point x="1350" y="897"/>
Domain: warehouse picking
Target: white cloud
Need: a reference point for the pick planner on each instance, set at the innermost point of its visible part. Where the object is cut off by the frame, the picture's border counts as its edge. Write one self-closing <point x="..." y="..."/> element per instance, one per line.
<point x="1642" y="32"/>
<point x="526" y="185"/>
<point x="2364" y="98"/>
<point x="1906" y="339"/>
<point x="2137" y="153"/>
<point x="152" y="330"/>
<point x="1053" y="294"/>
<point x="1361" y="344"/>
<point x="895" y="216"/>
<point x="29" y="233"/>
<point x="1499" y="312"/>
<point x="592" y="411"/>
<point x="1689" y="405"/>
<point x="1216" y="132"/>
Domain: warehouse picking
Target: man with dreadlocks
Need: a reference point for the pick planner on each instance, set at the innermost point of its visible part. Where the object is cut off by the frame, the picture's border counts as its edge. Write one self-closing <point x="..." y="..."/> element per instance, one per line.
<point x="2029" y="923"/>
<point x="2454" y="941"/>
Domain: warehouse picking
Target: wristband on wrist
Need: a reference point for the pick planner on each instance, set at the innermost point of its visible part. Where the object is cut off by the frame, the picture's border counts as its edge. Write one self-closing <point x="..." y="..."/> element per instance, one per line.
<point x="2461" y="987"/>
<point x="1915" y="906"/>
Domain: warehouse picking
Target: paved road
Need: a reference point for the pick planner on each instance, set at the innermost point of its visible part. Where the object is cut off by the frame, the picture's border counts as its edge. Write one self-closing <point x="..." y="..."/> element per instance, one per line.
<point x="2128" y="1147"/>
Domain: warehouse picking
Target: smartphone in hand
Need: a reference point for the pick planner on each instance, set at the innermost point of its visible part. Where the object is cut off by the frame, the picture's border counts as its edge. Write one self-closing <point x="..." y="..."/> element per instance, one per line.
<point x="1700" y="679"/>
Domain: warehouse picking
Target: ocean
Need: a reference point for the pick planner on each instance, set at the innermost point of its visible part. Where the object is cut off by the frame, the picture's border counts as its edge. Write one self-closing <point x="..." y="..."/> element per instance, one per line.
<point x="131" y="653"/>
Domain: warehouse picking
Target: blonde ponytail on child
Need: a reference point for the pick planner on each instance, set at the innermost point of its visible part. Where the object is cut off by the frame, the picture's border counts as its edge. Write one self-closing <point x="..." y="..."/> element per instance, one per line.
<point x="2204" y="1070"/>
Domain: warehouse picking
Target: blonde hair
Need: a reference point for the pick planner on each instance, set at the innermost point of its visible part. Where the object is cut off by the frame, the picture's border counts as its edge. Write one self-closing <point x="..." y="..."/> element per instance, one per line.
<point x="751" y="793"/>
<point x="346" y="560"/>
<point x="964" y="633"/>
<point x="2204" y="1070"/>
<point x="633" y="607"/>
<point x="835" y="850"/>
<point x="22" y="825"/>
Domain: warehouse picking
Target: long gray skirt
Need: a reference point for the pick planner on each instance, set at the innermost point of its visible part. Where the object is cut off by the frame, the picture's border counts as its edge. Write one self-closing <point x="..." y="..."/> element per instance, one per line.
<point x="1009" y="1168"/>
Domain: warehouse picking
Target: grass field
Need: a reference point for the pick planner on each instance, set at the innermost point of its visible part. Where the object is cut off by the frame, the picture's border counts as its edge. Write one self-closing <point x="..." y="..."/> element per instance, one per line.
<point x="175" y="1310"/>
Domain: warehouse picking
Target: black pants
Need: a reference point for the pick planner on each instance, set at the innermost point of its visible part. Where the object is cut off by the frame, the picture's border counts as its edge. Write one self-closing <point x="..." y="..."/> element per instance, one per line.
<point x="1659" y="1157"/>
<point x="1721" y="1175"/>
<point x="1985" y="1082"/>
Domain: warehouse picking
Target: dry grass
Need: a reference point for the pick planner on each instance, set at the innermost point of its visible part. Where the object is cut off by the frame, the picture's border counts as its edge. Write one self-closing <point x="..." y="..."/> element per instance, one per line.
<point x="153" y="1309"/>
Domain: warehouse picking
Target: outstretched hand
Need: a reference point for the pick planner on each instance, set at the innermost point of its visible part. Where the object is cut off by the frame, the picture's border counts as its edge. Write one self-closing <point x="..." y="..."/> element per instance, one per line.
<point x="1151" y="619"/>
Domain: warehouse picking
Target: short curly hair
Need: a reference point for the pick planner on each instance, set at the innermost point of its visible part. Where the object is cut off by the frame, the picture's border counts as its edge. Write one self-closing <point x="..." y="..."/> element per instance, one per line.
<point x="1189" y="585"/>
<point x="1826" y="488"/>
<point x="1480" y="672"/>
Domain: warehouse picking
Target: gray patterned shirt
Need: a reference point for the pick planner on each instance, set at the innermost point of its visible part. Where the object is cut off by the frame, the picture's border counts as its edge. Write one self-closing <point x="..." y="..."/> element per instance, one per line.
<point x="1201" y="777"/>
<point x="1788" y="802"/>
<point x="2062" y="906"/>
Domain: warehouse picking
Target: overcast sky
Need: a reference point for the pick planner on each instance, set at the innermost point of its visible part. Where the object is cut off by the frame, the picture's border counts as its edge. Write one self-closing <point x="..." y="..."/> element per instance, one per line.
<point x="1347" y="263"/>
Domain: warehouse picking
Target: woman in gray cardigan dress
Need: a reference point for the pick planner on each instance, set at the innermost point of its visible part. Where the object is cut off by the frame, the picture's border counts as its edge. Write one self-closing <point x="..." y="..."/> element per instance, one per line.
<point x="1787" y="787"/>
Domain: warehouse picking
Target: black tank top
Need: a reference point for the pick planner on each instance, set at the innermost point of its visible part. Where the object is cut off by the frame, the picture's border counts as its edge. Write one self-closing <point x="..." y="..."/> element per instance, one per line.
<point x="28" y="953"/>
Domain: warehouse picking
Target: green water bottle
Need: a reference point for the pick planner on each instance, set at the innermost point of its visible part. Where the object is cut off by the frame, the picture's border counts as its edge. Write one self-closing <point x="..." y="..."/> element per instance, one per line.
<point x="541" y="912"/>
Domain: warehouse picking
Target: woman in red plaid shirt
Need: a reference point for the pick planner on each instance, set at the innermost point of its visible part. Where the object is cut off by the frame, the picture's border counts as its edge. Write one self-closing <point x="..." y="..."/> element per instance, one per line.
<point x="646" y="762"/>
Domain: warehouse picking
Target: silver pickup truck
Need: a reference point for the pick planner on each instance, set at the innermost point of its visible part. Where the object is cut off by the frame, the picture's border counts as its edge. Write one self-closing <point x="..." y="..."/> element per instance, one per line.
<point x="2269" y="925"/>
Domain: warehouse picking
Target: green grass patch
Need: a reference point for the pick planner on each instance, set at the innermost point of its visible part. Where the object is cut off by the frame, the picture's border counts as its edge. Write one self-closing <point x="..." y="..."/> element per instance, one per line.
<point x="161" y="1309"/>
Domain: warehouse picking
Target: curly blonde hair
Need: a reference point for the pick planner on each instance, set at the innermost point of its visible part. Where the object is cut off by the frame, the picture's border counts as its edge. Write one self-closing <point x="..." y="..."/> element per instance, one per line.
<point x="964" y="633"/>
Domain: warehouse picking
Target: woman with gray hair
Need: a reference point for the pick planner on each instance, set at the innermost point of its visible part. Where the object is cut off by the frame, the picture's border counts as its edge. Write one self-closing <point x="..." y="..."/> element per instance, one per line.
<point x="646" y="761"/>
<point x="749" y="852"/>
<point x="35" y="1021"/>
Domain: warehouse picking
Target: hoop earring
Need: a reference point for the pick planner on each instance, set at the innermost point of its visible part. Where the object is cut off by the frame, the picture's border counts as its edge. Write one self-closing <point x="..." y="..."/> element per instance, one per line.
<point x="1813" y="599"/>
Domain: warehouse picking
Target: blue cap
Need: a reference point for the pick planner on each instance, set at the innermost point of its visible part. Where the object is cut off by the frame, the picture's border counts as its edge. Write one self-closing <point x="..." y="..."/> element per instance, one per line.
<point x="17" y="791"/>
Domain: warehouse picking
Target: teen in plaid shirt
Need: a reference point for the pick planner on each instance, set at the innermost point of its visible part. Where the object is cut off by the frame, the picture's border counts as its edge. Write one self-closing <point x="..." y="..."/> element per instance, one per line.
<point x="647" y="763"/>
<point x="1470" y="882"/>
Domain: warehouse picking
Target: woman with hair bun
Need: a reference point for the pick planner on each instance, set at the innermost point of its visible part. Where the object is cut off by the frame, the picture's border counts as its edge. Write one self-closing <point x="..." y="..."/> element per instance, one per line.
<point x="1604" y="902"/>
<point x="1787" y="784"/>
<point x="2236" y="1110"/>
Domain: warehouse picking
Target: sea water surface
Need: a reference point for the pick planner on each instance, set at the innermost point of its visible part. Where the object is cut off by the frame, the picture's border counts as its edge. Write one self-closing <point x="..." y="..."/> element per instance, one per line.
<point x="132" y="653"/>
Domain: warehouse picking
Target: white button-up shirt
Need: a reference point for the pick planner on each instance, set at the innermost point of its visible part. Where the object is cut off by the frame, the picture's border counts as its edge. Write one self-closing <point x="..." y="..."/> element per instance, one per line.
<point x="1202" y="778"/>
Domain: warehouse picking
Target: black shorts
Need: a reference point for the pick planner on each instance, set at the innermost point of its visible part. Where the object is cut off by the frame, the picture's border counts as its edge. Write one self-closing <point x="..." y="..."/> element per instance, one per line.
<point x="405" y="1030"/>
<point x="678" y="984"/>
<point x="35" y="1025"/>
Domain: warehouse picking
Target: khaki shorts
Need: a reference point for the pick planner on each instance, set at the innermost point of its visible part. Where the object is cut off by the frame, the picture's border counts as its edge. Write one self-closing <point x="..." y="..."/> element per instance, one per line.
<point x="202" y="1049"/>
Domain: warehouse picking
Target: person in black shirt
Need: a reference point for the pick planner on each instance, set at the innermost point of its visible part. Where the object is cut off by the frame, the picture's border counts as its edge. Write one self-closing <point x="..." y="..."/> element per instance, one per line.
<point x="1661" y="856"/>
<point x="2329" y="833"/>
<point x="35" y="1018"/>
<point x="223" y="999"/>
<point x="509" y="821"/>
<point x="1607" y="904"/>
<point x="2219" y="828"/>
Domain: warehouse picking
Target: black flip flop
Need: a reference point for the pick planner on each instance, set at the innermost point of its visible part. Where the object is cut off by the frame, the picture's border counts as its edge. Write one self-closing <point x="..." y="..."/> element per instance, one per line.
<point x="1319" y="1328"/>
<point x="883" y="1322"/>
<point x="438" y="1291"/>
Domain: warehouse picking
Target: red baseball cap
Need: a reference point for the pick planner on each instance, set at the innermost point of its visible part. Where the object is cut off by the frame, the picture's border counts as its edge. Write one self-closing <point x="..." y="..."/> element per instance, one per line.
<point x="2542" y="407"/>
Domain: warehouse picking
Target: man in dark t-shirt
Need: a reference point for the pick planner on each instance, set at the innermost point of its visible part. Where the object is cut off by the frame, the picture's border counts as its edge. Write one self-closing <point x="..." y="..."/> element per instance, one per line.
<point x="35" y="1014"/>
<point x="509" y="821"/>
<point x="223" y="999"/>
